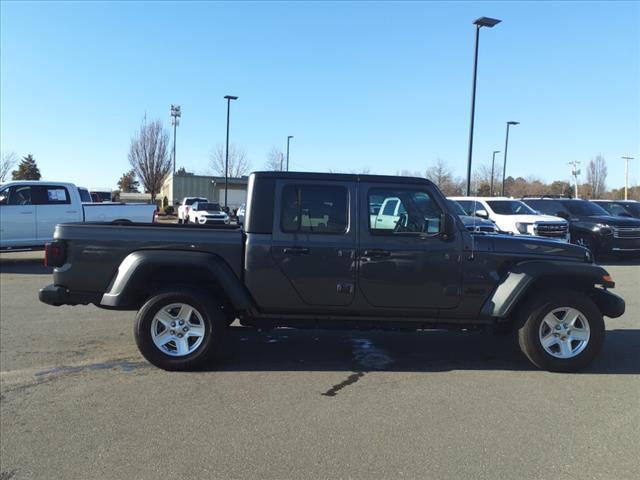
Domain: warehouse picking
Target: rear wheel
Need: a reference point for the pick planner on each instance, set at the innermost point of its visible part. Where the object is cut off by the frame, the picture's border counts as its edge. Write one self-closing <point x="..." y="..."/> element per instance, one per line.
<point x="180" y="330"/>
<point x="560" y="331"/>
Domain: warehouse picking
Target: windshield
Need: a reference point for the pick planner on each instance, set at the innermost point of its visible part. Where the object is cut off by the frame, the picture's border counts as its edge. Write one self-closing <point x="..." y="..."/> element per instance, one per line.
<point x="457" y="207"/>
<point x="209" y="206"/>
<point x="510" y="207"/>
<point x="191" y="201"/>
<point x="634" y="208"/>
<point x="582" y="207"/>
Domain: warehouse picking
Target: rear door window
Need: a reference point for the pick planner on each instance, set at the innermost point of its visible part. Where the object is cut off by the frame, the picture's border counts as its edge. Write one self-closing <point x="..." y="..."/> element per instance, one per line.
<point x="51" y="195"/>
<point x="314" y="209"/>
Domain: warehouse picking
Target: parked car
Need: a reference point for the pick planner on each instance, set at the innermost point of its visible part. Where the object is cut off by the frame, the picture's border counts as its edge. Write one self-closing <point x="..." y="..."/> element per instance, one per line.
<point x="473" y="223"/>
<point x="311" y="256"/>
<point x="203" y="213"/>
<point x="591" y="226"/>
<point x="515" y="217"/>
<point x="240" y="213"/>
<point x="185" y="206"/>
<point x="620" y="208"/>
<point x="29" y="211"/>
<point x="101" y="195"/>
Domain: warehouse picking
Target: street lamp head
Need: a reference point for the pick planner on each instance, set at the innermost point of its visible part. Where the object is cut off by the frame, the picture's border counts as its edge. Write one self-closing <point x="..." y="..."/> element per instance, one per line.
<point x="175" y="110"/>
<point x="230" y="97"/>
<point x="496" y="151"/>
<point x="487" y="22"/>
<point x="290" y="136"/>
<point x="513" y="123"/>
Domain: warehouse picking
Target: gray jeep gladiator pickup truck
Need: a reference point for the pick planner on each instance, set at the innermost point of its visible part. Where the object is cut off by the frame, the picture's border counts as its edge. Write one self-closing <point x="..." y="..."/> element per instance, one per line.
<point x="318" y="251"/>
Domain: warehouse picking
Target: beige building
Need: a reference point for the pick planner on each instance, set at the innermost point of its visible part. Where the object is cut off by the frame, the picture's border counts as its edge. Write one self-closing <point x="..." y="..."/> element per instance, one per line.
<point x="176" y="187"/>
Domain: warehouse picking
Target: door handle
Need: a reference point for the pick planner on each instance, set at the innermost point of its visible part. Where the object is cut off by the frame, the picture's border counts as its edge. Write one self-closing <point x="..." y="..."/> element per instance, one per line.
<point x="26" y="213"/>
<point x="295" y="250"/>
<point x="376" y="253"/>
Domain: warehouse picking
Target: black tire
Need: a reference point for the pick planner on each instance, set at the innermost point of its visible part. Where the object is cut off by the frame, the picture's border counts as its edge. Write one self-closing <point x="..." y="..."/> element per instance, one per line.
<point x="180" y="221"/>
<point x="209" y="349"/>
<point x="585" y="240"/>
<point x="528" y="324"/>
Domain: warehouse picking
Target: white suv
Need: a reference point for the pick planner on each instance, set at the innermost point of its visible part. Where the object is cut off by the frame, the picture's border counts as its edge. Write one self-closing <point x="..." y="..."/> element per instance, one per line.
<point x="516" y="217"/>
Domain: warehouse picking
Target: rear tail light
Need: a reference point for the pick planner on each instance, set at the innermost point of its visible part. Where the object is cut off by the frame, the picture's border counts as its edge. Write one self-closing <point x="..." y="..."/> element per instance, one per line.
<point x="55" y="254"/>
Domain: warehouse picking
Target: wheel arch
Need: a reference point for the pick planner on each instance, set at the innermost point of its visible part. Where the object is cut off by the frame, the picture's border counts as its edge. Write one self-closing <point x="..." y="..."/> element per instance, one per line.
<point x="144" y="272"/>
<point x="530" y="277"/>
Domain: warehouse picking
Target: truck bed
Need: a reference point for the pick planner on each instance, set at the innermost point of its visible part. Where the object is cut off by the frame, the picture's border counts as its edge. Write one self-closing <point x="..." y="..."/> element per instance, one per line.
<point x="95" y="250"/>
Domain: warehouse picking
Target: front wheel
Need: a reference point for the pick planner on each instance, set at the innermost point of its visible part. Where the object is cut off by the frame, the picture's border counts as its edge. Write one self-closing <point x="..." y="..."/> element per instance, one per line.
<point x="561" y="331"/>
<point x="180" y="330"/>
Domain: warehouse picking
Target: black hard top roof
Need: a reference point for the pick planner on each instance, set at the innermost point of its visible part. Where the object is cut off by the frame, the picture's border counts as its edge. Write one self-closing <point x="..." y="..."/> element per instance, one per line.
<point x="342" y="177"/>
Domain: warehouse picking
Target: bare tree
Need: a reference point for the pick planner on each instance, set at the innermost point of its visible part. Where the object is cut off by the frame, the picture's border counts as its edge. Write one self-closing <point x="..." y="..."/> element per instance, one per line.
<point x="238" y="163"/>
<point x="148" y="156"/>
<point x="442" y="176"/>
<point x="7" y="161"/>
<point x="597" y="176"/>
<point x="275" y="160"/>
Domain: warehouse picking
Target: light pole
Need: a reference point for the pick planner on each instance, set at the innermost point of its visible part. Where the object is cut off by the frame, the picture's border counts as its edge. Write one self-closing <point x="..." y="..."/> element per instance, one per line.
<point x="493" y="162"/>
<point x="226" y="159"/>
<point x="479" y="23"/>
<point x="626" y="175"/>
<point x="288" y="139"/>
<point x="575" y="171"/>
<point x="175" y="121"/>
<point x="506" y="146"/>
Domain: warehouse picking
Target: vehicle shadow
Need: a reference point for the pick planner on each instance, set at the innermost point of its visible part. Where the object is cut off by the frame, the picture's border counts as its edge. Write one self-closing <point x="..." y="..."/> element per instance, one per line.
<point x="25" y="266"/>
<point x="427" y="351"/>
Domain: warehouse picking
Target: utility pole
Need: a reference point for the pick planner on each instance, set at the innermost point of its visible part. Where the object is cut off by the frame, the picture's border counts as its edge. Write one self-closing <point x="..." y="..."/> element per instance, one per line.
<point x="288" y="139"/>
<point x="575" y="171"/>
<point x="626" y="175"/>
<point x="175" y="121"/>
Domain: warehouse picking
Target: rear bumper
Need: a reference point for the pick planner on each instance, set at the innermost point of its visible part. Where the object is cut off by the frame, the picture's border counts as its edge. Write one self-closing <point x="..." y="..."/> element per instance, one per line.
<point x="57" y="295"/>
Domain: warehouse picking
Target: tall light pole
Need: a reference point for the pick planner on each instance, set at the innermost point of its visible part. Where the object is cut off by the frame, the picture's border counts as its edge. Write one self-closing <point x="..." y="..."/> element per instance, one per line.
<point x="175" y="121"/>
<point x="226" y="159"/>
<point x="626" y="175"/>
<point x="504" y="161"/>
<point x="493" y="162"/>
<point x="479" y="23"/>
<point x="288" y="139"/>
<point x="575" y="171"/>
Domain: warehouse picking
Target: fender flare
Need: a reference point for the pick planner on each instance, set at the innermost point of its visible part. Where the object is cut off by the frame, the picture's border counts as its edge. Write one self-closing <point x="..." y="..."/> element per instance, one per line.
<point x="517" y="282"/>
<point x="134" y="270"/>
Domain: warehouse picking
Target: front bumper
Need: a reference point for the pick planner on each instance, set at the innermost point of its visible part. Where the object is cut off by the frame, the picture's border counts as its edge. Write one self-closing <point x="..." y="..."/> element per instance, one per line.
<point x="57" y="295"/>
<point x="609" y="303"/>
<point x="620" y="245"/>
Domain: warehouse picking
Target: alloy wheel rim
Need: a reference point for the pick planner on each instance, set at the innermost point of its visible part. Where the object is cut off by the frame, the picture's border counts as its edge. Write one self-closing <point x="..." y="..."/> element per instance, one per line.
<point x="177" y="329"/>
<point x="564" y="332"/>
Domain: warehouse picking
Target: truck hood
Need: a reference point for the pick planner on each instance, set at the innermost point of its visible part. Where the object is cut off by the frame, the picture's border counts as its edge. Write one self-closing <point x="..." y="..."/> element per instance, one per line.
<point x="533" y="218"/>
<point x="530" y="245"/>
<point x="611" y="220"/>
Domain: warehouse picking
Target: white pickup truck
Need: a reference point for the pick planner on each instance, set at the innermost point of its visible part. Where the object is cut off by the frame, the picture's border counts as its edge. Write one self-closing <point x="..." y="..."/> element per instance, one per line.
<point x="30" y="210"/>
<point x="515" y="216"/>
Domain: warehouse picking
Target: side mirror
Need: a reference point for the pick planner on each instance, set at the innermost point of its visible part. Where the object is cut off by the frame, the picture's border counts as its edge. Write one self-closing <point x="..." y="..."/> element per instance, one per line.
<point x="447" y="225"/>
<point x="3" y="200"/>
<point x="481" y="213"/>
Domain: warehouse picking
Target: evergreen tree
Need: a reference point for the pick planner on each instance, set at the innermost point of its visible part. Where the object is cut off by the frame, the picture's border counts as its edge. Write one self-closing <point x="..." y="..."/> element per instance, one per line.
<point x="27" y="169"/>
<point x="128" y="182"/>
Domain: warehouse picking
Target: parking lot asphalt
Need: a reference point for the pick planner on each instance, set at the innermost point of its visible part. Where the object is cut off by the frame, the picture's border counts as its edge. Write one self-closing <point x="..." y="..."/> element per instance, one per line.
<point x="77" y="401"/>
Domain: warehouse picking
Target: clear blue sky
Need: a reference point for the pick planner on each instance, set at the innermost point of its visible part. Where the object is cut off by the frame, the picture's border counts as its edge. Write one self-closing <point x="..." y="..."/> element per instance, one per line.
<point x="378" y="85"/>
